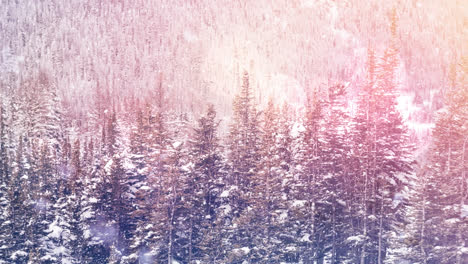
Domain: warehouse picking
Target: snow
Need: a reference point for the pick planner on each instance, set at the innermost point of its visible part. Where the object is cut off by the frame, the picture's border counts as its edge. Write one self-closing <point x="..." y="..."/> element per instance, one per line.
<point x="54" y="230"/>
<point x="464" y="211"/>
<point x="291" y="248"/>
<point x="283" y="216"/>
<point x="145" y="188"/>
<point x="18" y="253"/>
<point x="87" y="233"/>
<point x="398" y="198"/>
<point x="108" y="166"/>
<point x="297" y="129"/>
<point x="227" y="209"/>
<point x="60" y="250"/>
<point x="306" y="238"/>
<point x="213" y="64"/>
<point x="354" y="239"/>
<point x="226" y="193"/>
<point x="87" y="215"/>
<point x="242" y="250"/>
<point x="299" y="203"/>
<point x="452" y="221"/>
<point x="341" y="202"/>
<point x="128" y="165"/>
<point x="41" y="204"/>
<point x="176" y="144"/>
<point x="187" y="167"/>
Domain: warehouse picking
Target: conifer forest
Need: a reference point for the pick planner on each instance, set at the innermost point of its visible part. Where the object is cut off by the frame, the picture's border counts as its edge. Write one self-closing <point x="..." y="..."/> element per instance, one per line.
<point x="233" y="131"/>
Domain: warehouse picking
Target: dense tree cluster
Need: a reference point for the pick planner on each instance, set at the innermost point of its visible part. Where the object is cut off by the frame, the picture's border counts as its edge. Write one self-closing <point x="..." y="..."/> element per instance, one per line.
<point x="201" y="46"/>
<point x="439" y="213"/>
<point x="127" y="179"/>
<point x="147" y="185"/>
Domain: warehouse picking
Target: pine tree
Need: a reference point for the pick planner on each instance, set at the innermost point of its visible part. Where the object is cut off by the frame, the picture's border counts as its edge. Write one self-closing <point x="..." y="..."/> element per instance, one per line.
<point x="140" y="188"/>
<point x="414" y="246"/>
<point x="203" y="190"/>
<point x="266" y="212"/>
<point x="168" y="207"/>
<point x="95" y="247"/>
<point x="5" y="203"/>
<point x="20" y="208"/>
<point x="111" y="222"/>
<point x="332" y="208"/>
<point x="447" y="190"/>
<point x="309" y="179"/>
<point x="383" y="163"/>
<point x="244" y="139"/>
<point x="287" y="228"/>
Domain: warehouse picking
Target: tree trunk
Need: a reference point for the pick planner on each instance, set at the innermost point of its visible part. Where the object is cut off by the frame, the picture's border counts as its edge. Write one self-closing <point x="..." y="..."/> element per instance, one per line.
<point x="423" y="227"/>
<point x="460" y="241"/>
<point x="190" y="240"/>
<point x="334" y="257"/>
<point x="379" y="256"/>
<point x="363" y="251"/>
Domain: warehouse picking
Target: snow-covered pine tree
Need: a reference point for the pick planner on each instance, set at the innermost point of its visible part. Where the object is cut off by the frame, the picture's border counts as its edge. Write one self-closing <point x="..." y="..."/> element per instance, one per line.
<point x="120" y="203"/>
<point x="21" y="208"/>
<point x="5" y="177"/>
<point x="309" y="179"/>
<point x="243" y="148"/>
<point x="394" y="157"/>
<point x="112" y="226"/>
<point x="140" y="188"/>
<point x="447" y="188"/>
<point x="95" y="247"/>
<point x="265" y="214"/>
<point x="414" y="245"/>
<point x="74" y="206"/>
<point x="203" y="190"/>
<point x="332" y="206"/>
<point x="383" y="160"/>
<point x="286" y="233"/>
<point x="169" y="219"/>
<point x="46" y="196"/>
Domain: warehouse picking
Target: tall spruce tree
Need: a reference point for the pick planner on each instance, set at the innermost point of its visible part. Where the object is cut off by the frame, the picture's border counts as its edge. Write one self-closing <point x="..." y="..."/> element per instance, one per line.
<point x="447" y="188"/>
<point x="5" y="177"/>
<point x="203" y="190"/>
<point x="384" y="162"/>
<point x="243" y="144"/>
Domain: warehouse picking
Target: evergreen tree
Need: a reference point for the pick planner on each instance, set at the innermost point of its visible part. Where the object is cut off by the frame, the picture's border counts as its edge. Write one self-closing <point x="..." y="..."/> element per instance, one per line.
<point x="140" y="188"/>
<point x="20" y="208"/>
<point x="244" y="139"/>
<point x="383" y="164"/>
<point x="267" y="210"/>
<point x="332" y="209"/>
<point x="203" y="190"/>
<point x="5" y="203"/>
<point x="309" y="180"/>
<point x="95" y="243"/>
<point x="447" y="189"/>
